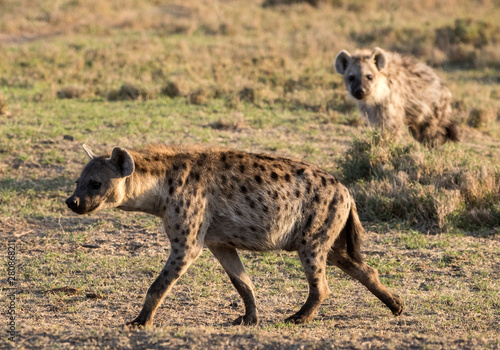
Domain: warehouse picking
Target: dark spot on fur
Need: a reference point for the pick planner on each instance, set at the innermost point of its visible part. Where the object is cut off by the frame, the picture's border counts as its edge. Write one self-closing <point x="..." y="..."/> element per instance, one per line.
<point x="308" y="261"/>
<point x="265" y="208"/>
<point x="175" y="167"/>
<point x="223" y="179"/>
<point x="177" y="226"/>
<point x="287" y="177"/>
<point x="238" y="212"/>
<point x="251" y="203"/>
<point x="274" y="176"/>
<point x="171" y="190"/>
<point x="258" y="179"/>
<point x="176" y="240"/>
<point x="196" y="176"/>
<point x="323" y="181"/>
<point x="253" y="229"/>
<point x="201" y="159"/>
<point x="177" y="210"/>
<point x="303" y="242"/>
<point x="243" y="189"/>
<point x="180" y="182"/>
<point x="263" y="168"/>
<point x="264" y="157"/>
<point x="297" y="193"/>
<point x="308" y="222"/>
<point x="300" y="171"/>
<point x="242" y="168"/>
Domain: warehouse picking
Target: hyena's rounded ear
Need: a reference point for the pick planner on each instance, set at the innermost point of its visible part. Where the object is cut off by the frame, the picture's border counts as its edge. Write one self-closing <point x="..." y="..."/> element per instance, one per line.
<point x="378" y="56"/>
<point x="342" y="61"/>
<point x="123" y="161"/>
<point x="89" y="152"/>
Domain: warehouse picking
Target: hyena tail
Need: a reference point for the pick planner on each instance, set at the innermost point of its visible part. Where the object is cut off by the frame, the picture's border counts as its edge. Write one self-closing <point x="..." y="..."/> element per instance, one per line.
<point x="452" y="132"/>
<point x="353" y="232"/>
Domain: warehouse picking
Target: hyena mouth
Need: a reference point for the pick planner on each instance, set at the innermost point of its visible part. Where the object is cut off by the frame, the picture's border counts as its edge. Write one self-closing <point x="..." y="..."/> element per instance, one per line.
<point x="79" y="209"/>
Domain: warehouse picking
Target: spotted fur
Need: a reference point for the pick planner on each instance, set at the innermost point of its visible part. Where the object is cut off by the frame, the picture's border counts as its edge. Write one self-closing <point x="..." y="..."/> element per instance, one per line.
<point x="229" y="201"/>
<point x="395" y="92"/>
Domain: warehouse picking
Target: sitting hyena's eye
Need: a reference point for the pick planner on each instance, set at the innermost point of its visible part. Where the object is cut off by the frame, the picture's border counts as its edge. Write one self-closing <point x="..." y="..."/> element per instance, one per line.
<point x="369" y="77"/>
<point x="351" y="78"/>
<point x="94" y="184"/>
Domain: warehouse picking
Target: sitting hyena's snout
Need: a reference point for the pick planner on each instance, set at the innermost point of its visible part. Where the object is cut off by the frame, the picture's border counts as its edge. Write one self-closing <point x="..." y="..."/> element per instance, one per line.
<point x="359" y="93"/>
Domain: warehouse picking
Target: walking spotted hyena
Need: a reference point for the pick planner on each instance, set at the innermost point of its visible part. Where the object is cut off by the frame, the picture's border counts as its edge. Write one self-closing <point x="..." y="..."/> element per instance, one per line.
<point x="229" y="200"/>
<point x="394" y="92"/>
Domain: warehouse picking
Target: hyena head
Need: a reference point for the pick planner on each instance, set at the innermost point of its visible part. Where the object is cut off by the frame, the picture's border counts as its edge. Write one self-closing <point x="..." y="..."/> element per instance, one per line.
<point x="102" y="181"/>
<point x="360" y="71"/>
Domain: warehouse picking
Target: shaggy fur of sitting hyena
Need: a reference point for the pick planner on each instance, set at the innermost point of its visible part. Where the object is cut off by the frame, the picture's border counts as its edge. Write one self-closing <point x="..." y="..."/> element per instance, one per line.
<point x="229" y="200"/>
<point x="396" y="92"/>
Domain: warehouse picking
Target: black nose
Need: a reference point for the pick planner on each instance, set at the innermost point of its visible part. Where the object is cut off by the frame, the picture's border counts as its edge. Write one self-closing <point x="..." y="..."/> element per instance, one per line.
<point x="72" y="202"/>
<point x="359" y="93"/>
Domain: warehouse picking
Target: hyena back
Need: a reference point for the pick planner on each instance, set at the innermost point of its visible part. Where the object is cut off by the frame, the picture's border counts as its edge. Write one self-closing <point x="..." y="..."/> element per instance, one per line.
<point x="229" y="200"/>
<point x="396" y="92"/>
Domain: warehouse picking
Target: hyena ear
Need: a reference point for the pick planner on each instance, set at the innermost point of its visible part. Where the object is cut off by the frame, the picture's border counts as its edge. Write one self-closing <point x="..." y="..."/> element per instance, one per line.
<point x="123" y="161"/>
<point x="378" y="56"/>
<point x="89" y="152"/>
<point x="342" y="61"/>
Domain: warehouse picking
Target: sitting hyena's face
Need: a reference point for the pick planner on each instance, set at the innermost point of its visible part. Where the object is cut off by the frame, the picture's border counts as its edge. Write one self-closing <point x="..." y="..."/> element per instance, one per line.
<point x="102" y="182"/>
<point x="360" y="71"/>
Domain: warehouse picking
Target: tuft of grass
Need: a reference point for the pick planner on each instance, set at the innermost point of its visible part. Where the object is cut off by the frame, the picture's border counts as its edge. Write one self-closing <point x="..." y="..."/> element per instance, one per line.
<point x="430" y="189"/>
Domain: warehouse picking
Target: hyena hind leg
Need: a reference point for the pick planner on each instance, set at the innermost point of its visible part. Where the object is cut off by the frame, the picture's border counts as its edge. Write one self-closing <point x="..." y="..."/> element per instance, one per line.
<point x="314" y="267"/>
<point x="368" y="277"/>
<point x="231" y="262"/>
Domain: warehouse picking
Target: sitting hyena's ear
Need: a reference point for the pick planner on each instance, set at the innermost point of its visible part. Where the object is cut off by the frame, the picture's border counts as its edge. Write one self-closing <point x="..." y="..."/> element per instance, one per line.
<point x="89" y="152"/>
<point x="342" y="61"/>
<point x="123" y="161"/>
<point x="378" y="56"/>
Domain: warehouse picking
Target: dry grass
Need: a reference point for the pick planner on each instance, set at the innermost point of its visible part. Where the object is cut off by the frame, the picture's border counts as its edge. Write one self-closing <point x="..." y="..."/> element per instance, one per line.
<point x="431" y="189"/>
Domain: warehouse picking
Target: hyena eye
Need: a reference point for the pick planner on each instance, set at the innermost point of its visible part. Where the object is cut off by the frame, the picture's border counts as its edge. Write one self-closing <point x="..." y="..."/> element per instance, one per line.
<point x="351" y="78"/>
<point x="94" y="184"/>
<point x="369" y="77"/>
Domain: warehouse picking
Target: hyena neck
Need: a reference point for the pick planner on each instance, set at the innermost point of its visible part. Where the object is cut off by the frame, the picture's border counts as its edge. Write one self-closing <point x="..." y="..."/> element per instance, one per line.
<point x="141" y="194"/>
<point x="145" y="187"/>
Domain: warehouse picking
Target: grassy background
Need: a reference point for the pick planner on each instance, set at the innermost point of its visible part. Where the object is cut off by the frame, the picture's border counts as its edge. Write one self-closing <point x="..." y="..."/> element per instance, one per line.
<point x="257" y="78"/>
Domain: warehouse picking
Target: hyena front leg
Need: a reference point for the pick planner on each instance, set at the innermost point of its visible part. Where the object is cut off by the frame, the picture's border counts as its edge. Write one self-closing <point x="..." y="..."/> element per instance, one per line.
<point x="231" y="262"/>
<point x="181" y="257"/>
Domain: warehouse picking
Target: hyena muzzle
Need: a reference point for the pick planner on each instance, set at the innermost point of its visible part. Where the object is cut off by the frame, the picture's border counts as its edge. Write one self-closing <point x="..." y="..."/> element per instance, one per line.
<point x="228" y="200"/>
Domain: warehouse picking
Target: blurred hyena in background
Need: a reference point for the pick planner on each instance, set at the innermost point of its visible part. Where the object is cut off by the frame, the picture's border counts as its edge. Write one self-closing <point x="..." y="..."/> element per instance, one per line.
<point x="394" y="92"/>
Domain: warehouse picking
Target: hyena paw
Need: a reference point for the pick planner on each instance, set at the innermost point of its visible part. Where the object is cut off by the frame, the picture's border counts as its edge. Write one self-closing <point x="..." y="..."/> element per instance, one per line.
<point x="397" y="307"/>
<point x="246" y="320"/>
<point x="138" y="324"/>
<point x="298" y="319"/>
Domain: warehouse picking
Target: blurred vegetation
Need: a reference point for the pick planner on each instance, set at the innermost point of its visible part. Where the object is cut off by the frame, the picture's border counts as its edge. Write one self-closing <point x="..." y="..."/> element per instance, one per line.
<point x="434" y="189"/>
